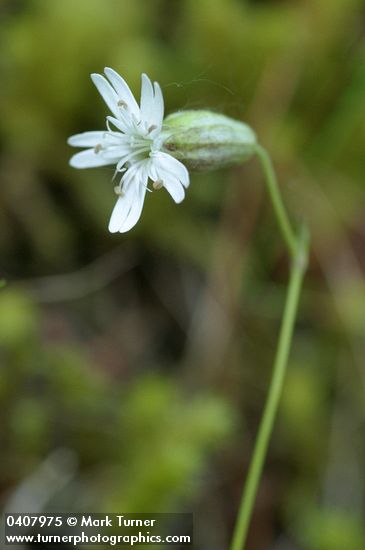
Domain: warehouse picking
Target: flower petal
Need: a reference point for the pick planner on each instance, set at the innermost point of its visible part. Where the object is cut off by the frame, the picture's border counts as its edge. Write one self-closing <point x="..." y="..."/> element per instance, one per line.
<point x="107" y="92"/>
<point x="90" y="159"/>
<point x="120" y="212"/>
<point x="123" y="90"/>
<point x="152" y="106"/>
<point x="114" y="152"/>
<point x="147" y="97"/>
<point x="86" y="139"/>
<point x="173" y="166"/>
<point x="120" y="124"/>
<point x="158" y="109"/>
<point x="136" y="209"/>
<point x="175" y="188"/>
<point x="128" y="208"/>
<point x="170" y="182"/>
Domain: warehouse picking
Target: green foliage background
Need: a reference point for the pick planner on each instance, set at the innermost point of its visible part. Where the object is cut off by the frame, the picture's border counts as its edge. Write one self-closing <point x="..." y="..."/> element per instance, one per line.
<point x="135" y="367"/>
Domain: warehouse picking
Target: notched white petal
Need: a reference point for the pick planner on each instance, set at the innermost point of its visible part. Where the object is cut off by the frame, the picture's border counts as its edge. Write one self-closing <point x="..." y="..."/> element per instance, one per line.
<point x="135" y="211"/>
<point x="166" y="162"/>
<point x="89" y="159"/>
<point x="147" y="98"/>
<point x="158" y="105"/>
<point x="123" y="90"/>
<point x="120" y="212"/>
<point x="107" y="92"/>
<point x="86" y="139"/>
<point x="175" y="188"/>
<point x="122" y="127"/>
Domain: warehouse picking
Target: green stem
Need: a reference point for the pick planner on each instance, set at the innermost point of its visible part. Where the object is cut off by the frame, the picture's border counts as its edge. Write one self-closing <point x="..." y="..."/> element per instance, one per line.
<point x="277" y="203"/>
<point x="271" y="406"/>
<point x="298" y="248"/>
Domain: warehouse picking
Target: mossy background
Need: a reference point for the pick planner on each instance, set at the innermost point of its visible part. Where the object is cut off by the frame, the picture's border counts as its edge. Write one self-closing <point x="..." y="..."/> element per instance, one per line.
<point x="134" y="367"/>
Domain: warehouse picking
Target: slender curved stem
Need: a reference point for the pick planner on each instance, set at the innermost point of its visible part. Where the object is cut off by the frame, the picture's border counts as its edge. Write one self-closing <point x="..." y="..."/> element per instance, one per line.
<point x="277" y="203"/>
<point x="298" y="248"/>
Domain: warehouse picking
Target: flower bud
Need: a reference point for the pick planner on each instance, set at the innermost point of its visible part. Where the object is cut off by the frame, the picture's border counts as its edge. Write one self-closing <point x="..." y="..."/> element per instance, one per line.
<point x="204" y="140"/>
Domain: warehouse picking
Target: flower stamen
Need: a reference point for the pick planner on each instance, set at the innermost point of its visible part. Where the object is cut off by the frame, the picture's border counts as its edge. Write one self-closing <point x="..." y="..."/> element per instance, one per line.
<point x="158" y="184"/>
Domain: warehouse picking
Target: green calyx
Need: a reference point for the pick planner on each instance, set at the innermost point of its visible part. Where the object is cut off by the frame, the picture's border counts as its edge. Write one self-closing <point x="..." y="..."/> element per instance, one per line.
<point x="204" y="140"/>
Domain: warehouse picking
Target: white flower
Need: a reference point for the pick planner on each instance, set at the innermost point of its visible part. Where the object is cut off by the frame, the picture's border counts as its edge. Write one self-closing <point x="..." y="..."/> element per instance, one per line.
<point x="132" y="141"/>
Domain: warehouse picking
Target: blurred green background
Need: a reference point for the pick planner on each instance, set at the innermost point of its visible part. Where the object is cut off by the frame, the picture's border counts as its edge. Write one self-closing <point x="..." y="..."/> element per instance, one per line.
<point x="134" y="367"/>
